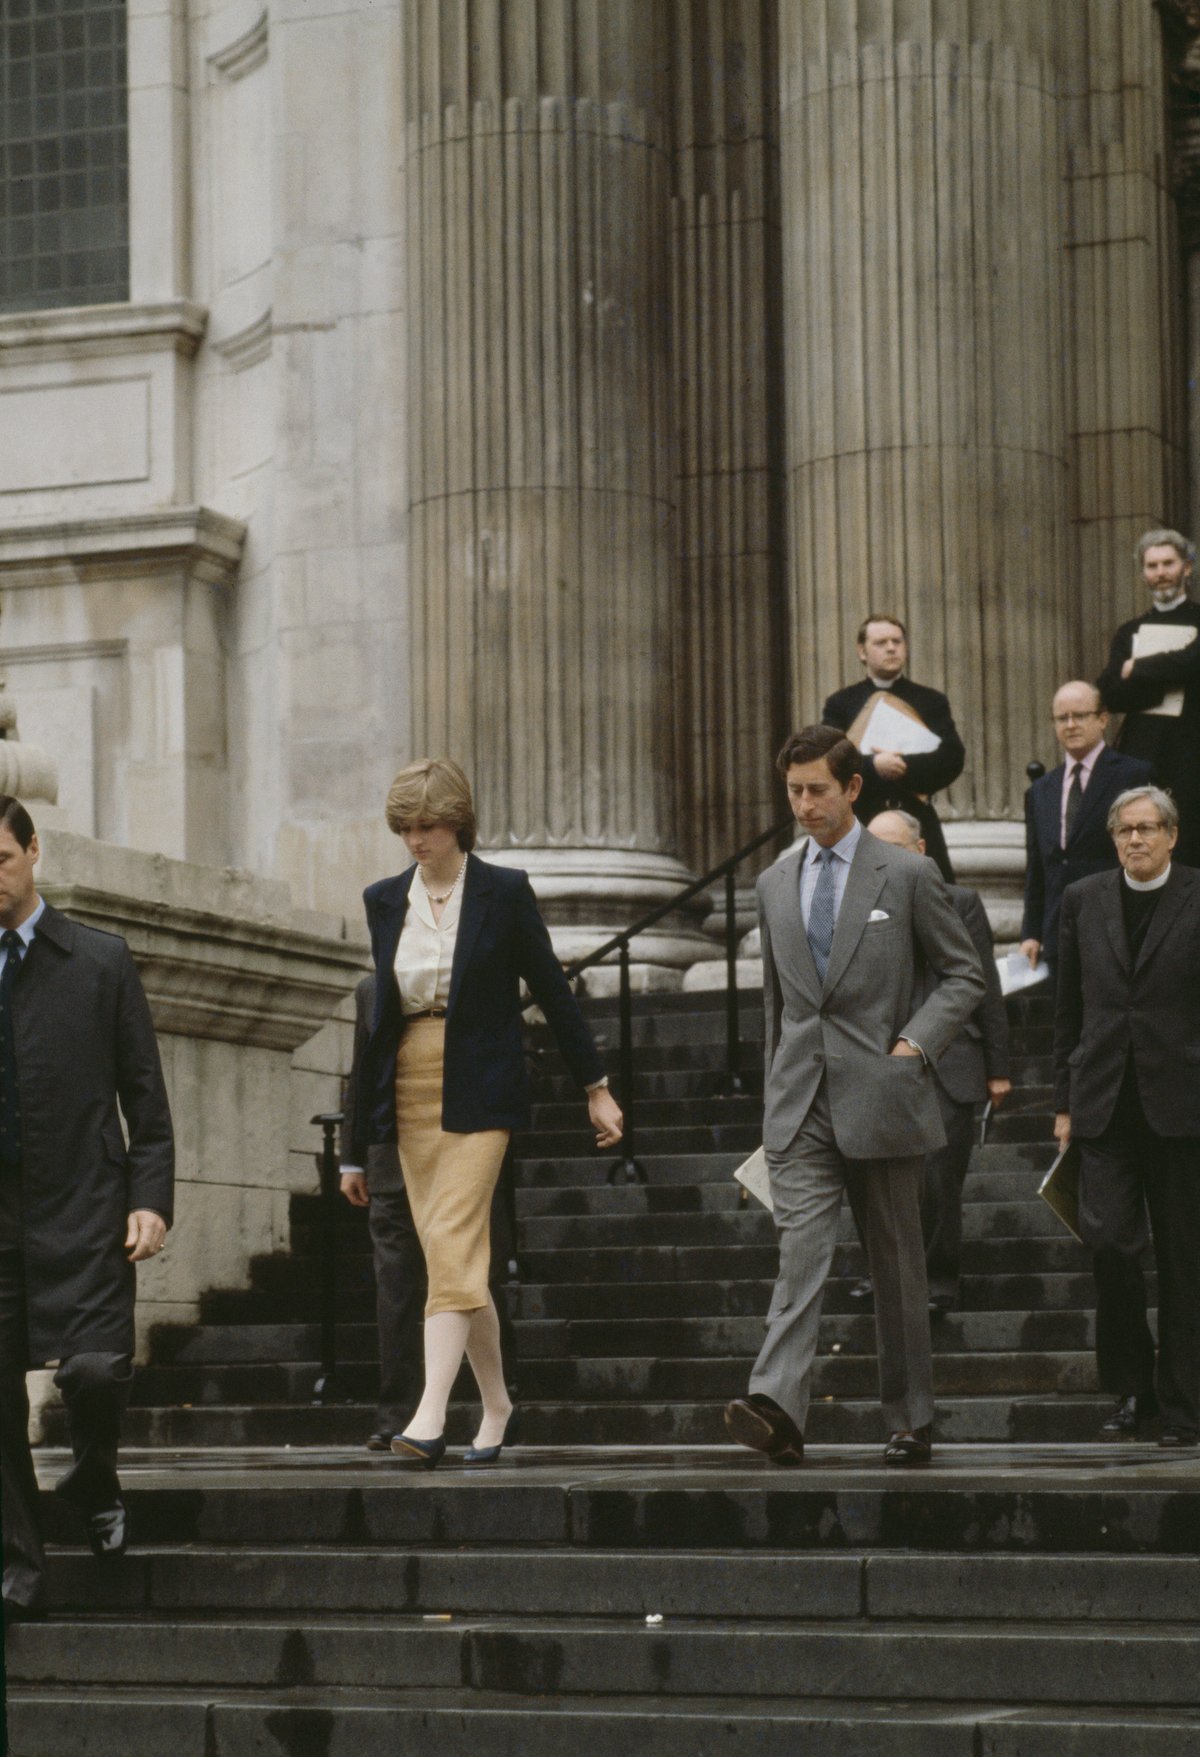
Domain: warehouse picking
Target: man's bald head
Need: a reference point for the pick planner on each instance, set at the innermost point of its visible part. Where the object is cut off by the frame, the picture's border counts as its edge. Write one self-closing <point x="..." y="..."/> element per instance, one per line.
<point x="900" y="828"/>
<point x="1079" y="718"/>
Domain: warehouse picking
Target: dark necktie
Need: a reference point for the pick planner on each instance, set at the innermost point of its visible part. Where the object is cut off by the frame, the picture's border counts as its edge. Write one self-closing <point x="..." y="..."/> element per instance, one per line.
<point x="1074" y="803"/>
<point x="822" y="911"/>
<point x="10" y="1102"/>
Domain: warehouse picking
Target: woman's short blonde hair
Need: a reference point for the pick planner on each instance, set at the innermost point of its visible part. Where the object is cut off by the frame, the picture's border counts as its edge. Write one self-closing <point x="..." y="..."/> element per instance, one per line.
<point x="433" y="791"/>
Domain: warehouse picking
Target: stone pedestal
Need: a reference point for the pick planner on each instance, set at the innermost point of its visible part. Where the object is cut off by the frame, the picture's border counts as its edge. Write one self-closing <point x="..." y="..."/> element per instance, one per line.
<point x="540" y="430"/>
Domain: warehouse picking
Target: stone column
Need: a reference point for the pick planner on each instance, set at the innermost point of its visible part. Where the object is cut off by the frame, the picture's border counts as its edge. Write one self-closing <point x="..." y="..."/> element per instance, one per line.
<point x="541" y="475"/>
<point x="1128" y="419"/>
<point x="730" y="687"/>
<point x="927" y="417"/>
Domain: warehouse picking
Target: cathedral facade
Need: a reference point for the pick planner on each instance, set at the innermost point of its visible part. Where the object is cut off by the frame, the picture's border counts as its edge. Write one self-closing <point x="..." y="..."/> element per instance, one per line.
<point x="556" y="384"/>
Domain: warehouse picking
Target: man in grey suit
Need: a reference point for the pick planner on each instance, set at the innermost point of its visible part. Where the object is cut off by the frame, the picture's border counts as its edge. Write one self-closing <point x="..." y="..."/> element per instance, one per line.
<point x="1126" y="1061"/>
<point x="78" y="1207"/>
<point x="850" y="1098"/>
<point x="973" y="1070"/>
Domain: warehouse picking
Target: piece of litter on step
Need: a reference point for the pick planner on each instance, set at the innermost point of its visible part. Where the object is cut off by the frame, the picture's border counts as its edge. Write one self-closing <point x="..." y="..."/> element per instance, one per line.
<point x="837" y="1348"/>
<point x="654" y="1619"/>
<point x="437" y="1617"/>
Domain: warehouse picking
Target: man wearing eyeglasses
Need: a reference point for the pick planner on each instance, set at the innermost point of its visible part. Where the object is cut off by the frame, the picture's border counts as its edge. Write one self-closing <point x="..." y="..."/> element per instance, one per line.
<point x="1127" y="1089"/>
<point x="1065" y="812"/>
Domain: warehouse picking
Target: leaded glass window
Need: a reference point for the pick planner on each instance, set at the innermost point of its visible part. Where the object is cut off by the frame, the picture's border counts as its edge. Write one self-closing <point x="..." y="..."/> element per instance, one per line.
<point x="64" y="159"/>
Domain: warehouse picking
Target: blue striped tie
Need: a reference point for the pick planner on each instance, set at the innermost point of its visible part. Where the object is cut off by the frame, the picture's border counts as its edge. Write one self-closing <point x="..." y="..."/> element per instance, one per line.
<point x="822" y="912"/>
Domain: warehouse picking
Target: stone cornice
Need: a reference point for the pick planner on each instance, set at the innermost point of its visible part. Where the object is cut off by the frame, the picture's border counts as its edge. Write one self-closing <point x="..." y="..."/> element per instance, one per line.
<point x="102" y="329"/>
<point x="207" y="543"/>
<point x="221" y="954"/>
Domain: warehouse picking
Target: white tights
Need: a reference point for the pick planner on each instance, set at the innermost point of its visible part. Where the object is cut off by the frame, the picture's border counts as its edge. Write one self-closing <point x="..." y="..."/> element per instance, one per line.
<point x="448" y="1336"/>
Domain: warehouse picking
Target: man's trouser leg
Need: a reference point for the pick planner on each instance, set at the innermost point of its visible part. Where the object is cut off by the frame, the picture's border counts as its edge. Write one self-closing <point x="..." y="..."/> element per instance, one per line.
<point x="888" y="1195"/>
<point x="400" y="1285"/>
<point x="1113" y="1225"/>
<point x="806" y="1188"/>
<point x="95" y="1389"/>
<point x="1172" y="1180"/>
<point x="24" y="1559"/>
<point x="941" y="1203"/>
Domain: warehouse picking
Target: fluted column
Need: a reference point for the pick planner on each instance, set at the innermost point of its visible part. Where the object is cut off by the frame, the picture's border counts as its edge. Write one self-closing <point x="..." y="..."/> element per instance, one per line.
<point x="927" y="417"/>
<point x="541" y="512"/>
<point x="1128" y="417"/>
<point x="730" y="692"/>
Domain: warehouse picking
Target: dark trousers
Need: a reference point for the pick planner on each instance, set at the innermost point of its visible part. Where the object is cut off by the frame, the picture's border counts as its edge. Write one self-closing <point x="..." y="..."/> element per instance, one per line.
<point x="400" y="1291"/>
<point x="941" y="1200"/>
<point x="95" y="1389"/>
<point x="1123" y="1173"/>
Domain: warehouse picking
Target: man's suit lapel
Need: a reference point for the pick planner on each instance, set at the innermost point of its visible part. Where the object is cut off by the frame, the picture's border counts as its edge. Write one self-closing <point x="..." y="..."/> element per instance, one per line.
<point x="789" y="942"/>
<point x="863" y="885"/>
<point x="477" y="892"/>
<point x="1114" y="920"/>
<point x="1179" y="889"/>
<point x="1050" y="805"/>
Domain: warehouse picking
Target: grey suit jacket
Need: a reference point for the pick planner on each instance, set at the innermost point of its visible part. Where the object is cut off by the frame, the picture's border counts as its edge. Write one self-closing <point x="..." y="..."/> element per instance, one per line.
<point x="883" y="1106"/>
<point x="979" y="1052"/>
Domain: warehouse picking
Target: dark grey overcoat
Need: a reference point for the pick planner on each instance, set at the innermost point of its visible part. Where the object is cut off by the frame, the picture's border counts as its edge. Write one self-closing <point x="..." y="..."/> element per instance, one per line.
<point x="84" y="1039"/>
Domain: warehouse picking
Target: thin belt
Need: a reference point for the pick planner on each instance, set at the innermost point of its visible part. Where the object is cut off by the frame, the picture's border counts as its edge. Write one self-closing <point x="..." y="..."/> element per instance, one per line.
<point x="428" y="1013"/>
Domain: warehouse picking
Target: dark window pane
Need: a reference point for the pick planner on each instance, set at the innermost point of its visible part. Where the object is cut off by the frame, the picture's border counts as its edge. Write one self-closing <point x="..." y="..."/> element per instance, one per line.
<point x="64" y="185"/>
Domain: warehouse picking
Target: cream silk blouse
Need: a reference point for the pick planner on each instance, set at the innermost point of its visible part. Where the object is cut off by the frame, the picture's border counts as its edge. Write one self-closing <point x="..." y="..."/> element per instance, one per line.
<point x="425" y="953"/>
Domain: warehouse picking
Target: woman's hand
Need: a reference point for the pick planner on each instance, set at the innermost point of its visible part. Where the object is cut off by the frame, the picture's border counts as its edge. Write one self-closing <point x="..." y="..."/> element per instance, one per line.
<point x="606" y="1117"/>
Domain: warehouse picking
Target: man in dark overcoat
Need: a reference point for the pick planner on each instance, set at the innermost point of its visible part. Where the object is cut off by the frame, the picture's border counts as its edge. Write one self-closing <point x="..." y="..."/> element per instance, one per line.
<point x="78" y="1207"/>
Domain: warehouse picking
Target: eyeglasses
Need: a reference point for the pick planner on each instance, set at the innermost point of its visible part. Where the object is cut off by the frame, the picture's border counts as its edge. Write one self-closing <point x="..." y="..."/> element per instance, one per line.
<point x="1074" y="719"/>
<point x="1124" y="831"/>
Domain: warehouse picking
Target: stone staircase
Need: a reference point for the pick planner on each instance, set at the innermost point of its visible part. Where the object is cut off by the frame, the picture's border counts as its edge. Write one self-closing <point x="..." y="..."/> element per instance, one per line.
<point x="1015" y="1600"/>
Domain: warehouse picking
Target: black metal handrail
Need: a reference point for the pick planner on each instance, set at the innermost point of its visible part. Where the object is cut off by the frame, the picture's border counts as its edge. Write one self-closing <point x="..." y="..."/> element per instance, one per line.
<point x="620" y="944"/>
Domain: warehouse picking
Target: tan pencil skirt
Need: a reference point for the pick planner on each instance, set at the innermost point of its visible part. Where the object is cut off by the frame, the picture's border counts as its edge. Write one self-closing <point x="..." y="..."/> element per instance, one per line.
<point x="450" y="1179"/>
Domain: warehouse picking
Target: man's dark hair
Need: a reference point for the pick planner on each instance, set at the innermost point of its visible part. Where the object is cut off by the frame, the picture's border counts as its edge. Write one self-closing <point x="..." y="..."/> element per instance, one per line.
<point x="14" y="817"/>
<point x="815" y="742"/>
<point x="878" y="616"/>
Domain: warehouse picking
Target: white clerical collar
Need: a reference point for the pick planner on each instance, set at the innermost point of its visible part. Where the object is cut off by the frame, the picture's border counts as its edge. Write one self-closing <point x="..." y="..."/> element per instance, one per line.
<point x="1174" y="603"/>
<point x="885" y="682"/>
<point x="1148" y="884"/>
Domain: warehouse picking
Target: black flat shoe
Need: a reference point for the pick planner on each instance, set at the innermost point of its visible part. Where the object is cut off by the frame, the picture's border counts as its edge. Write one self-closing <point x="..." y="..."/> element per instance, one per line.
<point x="908" y="1449"/>
<point x="476" y="1456"/>
<point x="1174" y="1438"/>
<point x="423" y="1454"/>
<point x="380" y="1440"/>
<point x="108" y="1532"/>
<point x="15" y="1611"/>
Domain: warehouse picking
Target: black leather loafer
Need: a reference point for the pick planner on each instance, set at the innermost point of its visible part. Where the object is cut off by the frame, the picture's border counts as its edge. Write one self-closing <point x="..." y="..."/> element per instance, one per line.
<point x="758" y="1422"/>
<point x="108" y="1532"/>
<point x="908" y="1449"/>
<point x="1173" y="1438"/>
<point x="380" y="1440"/>
<point x="1128" y="1415"/>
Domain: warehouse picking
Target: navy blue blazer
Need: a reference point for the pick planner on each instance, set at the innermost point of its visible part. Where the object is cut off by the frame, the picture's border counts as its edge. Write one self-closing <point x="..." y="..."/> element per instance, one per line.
<point x="1050" y="868"/>
<point x="501" y="941"/>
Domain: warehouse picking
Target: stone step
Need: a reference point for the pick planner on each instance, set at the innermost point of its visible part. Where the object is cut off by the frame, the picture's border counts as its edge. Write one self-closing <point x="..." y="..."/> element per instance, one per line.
<point x="720" y="1194"/>
<point x="880" y="1585"/>
<point x="1054" y="1417"/>
<point x="1118" y="1663"/>
<point x="303" y="1722"/>
<point x="554" y="1116"/>
<point x="1026" y="1159"/>
<point x="199" y="1346"/>
<point x="982" y="1221"/>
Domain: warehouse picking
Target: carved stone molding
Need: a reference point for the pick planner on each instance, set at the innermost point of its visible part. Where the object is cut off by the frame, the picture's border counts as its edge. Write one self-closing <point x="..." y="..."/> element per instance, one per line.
<point x="208" y="543"/>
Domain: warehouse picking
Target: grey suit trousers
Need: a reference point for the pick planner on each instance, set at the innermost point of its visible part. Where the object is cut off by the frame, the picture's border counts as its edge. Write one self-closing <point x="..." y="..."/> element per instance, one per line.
<point x="808" y="1181"/>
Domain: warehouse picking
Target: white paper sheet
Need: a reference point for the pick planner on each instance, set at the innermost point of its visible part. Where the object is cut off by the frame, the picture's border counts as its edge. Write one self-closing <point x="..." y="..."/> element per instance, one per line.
<point x="1163" y="637"/>
<point x="889" y="729"/>
<point x="753" y="1176"/>
<point x="1016" y="972"/>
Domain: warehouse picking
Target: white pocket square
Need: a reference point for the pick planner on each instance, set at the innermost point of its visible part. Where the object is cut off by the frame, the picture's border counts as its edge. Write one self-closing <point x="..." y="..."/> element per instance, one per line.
<point x="878" y="915"/>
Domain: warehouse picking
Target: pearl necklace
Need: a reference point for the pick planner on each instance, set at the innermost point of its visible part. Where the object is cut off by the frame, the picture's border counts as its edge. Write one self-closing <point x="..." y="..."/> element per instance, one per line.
<point x="446" y="895"/>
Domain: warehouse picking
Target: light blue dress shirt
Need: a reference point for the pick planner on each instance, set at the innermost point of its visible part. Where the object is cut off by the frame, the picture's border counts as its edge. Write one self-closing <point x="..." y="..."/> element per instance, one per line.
<point x="843" y="853"/>
<point x="26" y="931"/>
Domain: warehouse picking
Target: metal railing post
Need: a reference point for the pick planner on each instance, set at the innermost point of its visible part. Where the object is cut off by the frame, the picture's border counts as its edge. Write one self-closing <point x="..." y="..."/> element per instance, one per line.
<point x="733" y="1043"/>
<point x="325" y="1388"/>
<point x="628" y="1162"/>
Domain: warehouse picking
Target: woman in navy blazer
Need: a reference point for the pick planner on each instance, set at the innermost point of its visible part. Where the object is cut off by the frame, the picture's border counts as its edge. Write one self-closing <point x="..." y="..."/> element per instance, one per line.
<point x="443" y="1072"/>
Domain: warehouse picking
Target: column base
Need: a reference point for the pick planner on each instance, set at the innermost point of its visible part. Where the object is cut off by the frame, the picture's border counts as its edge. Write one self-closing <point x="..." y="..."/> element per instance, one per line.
<point x="588" y="894"/>
<point x="989" y="855"/>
